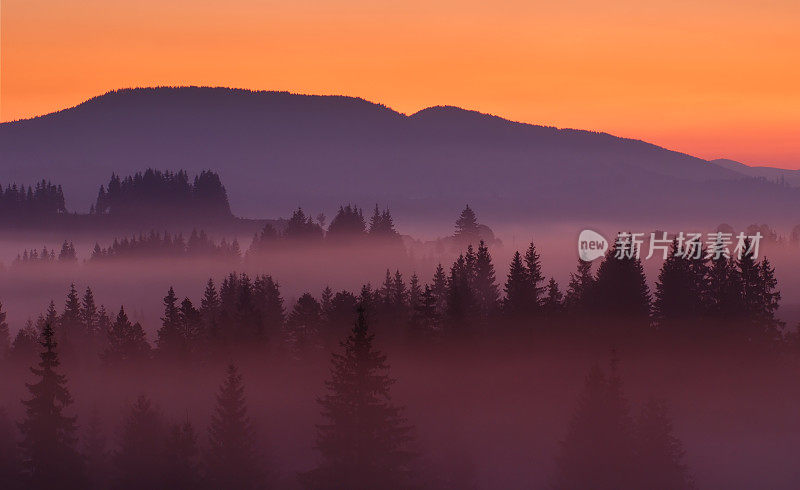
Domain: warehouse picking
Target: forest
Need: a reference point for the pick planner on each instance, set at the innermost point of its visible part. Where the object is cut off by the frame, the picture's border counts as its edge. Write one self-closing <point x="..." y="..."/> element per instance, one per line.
<point x="362" y="436"/>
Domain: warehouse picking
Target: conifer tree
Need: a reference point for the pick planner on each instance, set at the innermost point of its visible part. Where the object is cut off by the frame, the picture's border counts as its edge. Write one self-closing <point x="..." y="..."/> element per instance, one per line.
<point x="70" y="333"/>
<point x="553" y="303"/>
<point x="126" y="341"/>
<point x="439" y="290"/>
<point x="209" y="314"/>
<point x="659" y="454"/>
<point x="678" y="301"/>
<point x="171" y="342"/>
<point x="95" y="453"/>
<point x="5" y="335"/>
<point x="621" y="296"/>
<point x="269" y="308"/>
<point x="517" y="302"/>
<point x="183" y="469"/>
<point x="599" y="449"/>
<point x="89" y="315"/>
<point x="10" y="464"/>
<point x="534" y="265"/>
<point x="140" y="460"/>
<point x="364" y="442"/>
<point x="486" y="290"/>
<point x="304" y="323"/>
<point x="25" y="344"/>
<point x="49" y="441"/>
<point x="467" y="230"/>
<point x="461" y="307"/>
<point x="579" y="290"/>
<point x="232" y="459"/>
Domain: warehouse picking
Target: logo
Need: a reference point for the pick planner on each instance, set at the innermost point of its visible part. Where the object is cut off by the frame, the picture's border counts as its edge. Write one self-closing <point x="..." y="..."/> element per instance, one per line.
<point x="591" y="245"/>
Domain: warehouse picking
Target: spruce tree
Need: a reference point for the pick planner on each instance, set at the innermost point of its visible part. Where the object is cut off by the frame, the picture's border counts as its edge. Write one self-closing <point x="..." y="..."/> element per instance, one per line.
<point x="70" y="333"/>
<point x="232" y="459"/>
<point x="467" y="230"/>
<point x="140" y="460"/>
<point x="579" y="290"/>
<point x="49" y="441"/>
<point x="209" y="316"/>
<point x="95" y="453"/>
<point x="517" y="302"/>
<point x="533" y="263"/>
<point x="304" y="323"/>
<point x="171" y="343"/>
<point x="621" y="297"/>
<point x="5" y="335"/>
<point x="182" y="454"/>
<point x="364" y="441"/>
<point x="126" y="341"/>
<point x="677" y="301"/>
<point x="11" y="477"/>
<point x="486" y="289"/>
<point x="599" y="448"/>
<point x="659" y="454"/>
<point x="553" y="303"/>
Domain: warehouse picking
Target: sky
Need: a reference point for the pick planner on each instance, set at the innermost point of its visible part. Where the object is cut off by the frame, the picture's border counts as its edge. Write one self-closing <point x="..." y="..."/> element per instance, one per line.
<point x="711" y="78"/>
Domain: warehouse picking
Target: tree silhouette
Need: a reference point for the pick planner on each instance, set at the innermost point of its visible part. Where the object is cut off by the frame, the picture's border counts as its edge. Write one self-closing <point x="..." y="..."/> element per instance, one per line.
<point x="232" y="460"/>
<point x="171" y="341"/>
<point x="5" y="335"/>
<point x="598" y="451"/>
<point x="126" y="341"/>
<point x="183" y="470"/>
<point x="517" y="303"/>
<point x="486" y="290"/>
<point x="659" y="454"/>
<point x="467" y="229"/>
<point x="140" y="460"/>
<point x="364" y="442"/>
<point x="48" y="443"/>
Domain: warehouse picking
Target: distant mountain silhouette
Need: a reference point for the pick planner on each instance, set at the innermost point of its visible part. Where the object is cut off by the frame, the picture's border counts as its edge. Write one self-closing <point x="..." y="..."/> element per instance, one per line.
<point x="275" y="151"/>
<point x="791" y="177"/>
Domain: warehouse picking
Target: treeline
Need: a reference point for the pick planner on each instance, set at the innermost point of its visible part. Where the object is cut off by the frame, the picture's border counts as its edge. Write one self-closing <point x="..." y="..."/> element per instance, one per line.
<point x="135" y="196"/>
<point x="364" y="442"/>
<point x="66" y="255"/>
<point x="723" y="300"/>
<point x="156" y="245"/>
<point x="18" y="203"/>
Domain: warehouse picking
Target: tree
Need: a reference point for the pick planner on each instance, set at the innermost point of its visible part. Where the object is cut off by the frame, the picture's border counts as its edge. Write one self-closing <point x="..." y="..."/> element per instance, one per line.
<point x="209" y="314"/>
<point x="171" y="342"/>
<point x="534" y="265"/>
<point x="71" y="330"/>
<point x="232" y="459"/>
<point x="467" y="229"/>
<point x="140" y="461"/>
<point x="517" y="303"/>
<point x="553" y="303"/>
<point x="599" y="450"/>
<point x="5" y="336"/>
<point x="25" y="343"/>
<point x="579" y="290"/>
<point x="126" y="341"/>
<point x="49" y="441"/>
<point x="183" y="470"/>
<point x="678" y="298"/>
<point x="486" y="290"/>
<point x="10" y="464"/>
<point x="621" y="296"/>
<point x="659" y="454"/>
<point x="95" y="454"/>
<point x="364" y="442"/>
<point x="347" y="224"/>
<point x="381" y="226"/>
<point x="304" y="323"/>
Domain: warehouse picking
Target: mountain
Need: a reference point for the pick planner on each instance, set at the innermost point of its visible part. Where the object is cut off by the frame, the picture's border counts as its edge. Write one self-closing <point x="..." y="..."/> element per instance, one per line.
<point x="275" y="151"/>
<point x="791" y="177"/>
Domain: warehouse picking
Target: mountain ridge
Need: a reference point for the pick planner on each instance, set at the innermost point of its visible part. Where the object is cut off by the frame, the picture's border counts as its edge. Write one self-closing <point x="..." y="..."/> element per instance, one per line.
<point x="279" y="150"/>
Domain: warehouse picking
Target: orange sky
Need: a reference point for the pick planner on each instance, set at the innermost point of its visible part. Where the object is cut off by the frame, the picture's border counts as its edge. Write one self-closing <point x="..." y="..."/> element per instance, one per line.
<point x="714" y="80"/>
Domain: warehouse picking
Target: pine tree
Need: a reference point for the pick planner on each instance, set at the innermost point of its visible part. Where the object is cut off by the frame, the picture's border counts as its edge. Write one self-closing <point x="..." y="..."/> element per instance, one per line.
<point x="171" y="343"/>
<point x="461" y="307"/>
<point x="467" y="230"/>
<point x="364" y="442"/>
<point x="677" y="298"/>
<point x="269" y="308"/>
<point x="579" y="291"/>
<point x="209" y="315"/>
<point x="232" y="459"/>
<point x="517" y="303"/>
<point x="11" y="477"/>
<point x="486" y="290"/>
<point x="659" y="454"/>
<point x="304" y="323"/>
<point x="621" y="296"/>
<point x="553" y="303"/>
<point x="183" y="469"/>
<point x="95" y="454"/>
<point x="49" y="441"/>
<point x="70" y="333"/>
<point x="439" y="290"/>
<point x="534" y="265"/>
<point x="5" y="335"/>
<point x="599" y="449"/>
<point x="126" y="341"/>
<point x="140" y="461"/>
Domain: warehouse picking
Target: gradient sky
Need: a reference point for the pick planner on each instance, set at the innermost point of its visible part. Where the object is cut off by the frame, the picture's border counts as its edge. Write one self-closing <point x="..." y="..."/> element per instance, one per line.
<point x="714" y="80"/>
